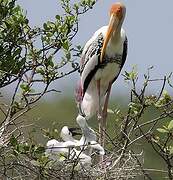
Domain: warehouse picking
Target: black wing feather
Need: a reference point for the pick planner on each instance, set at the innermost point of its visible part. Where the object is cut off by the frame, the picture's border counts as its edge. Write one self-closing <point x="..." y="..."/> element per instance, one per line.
<point x="125" y="49"/>
<point x="93" y="50"/>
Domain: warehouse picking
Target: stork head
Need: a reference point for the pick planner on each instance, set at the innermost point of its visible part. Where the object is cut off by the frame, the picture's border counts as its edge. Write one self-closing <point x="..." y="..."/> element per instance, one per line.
<point x="117" y="14"/>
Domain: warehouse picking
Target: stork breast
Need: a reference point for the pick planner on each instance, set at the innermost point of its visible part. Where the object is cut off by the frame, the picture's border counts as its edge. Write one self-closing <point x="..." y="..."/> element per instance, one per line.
<point x="107" y="73"/>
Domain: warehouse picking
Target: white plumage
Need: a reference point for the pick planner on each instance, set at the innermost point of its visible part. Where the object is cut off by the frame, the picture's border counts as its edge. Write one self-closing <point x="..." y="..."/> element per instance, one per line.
<point x="56" y="150"/>
<point x="107" y="74"/>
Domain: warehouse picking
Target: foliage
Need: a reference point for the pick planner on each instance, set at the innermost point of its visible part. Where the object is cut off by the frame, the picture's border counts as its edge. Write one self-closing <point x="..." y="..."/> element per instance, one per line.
<point x="157" y="131"/>
<point x="31" y="56"/>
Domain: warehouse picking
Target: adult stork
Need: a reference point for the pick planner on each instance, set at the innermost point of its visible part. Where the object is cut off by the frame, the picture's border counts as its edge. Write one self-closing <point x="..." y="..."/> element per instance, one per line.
<point x="102" y="60"/>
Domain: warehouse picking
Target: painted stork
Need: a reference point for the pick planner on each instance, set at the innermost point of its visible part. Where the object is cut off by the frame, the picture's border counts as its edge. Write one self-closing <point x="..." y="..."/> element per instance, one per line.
<point x="102" y="59"/>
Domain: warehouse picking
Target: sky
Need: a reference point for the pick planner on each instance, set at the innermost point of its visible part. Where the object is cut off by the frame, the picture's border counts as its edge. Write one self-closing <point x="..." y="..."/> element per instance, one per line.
<point x="148" y="25"/>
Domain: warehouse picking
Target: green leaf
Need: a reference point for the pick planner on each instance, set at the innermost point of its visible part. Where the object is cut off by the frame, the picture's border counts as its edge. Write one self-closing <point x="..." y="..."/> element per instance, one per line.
<point x="26" y="147"/>
<point x="25" y="87"/>
<point x="13" y="140"/>
<point x="79" y="47"/>
<point x="166" y="96"/>
<point x="49" y="61"/>
<point x="68" y="55"/>
<point x="17" y="52"/>
<point x="83" y="3"/>
<point x="65" y="45"/>
<point x="170" y="126"/>
<point x="45" y="26"/>
<point x="162" y="130"/>
<point x="58" y="17"/>
<point x="92" y="3"/>
<point x="76" y="6"/>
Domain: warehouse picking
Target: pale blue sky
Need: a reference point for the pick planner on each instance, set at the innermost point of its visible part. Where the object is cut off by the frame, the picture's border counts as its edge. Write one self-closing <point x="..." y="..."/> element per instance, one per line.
<point x="148" y="24"/>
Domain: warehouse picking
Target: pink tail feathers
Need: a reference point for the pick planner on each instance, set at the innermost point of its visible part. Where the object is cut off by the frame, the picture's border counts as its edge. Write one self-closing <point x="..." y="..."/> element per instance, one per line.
<point x="79" y="92"/>
<point x="88" y="104"/>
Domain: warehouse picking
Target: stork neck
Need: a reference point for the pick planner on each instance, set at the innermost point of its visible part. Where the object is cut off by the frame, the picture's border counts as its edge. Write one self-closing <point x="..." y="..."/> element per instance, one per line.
<point x="117" y="32"/>
<point x="116" y="36"/>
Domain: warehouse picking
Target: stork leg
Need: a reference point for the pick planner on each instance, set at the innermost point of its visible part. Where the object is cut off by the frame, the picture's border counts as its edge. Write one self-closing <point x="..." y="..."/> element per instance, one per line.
<point x="99" y="113"/>
<point x="104" y="114"/>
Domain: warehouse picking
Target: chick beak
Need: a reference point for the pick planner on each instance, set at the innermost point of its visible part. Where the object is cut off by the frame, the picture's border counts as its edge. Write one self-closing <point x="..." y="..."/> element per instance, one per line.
<point x="74" y="131"/>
